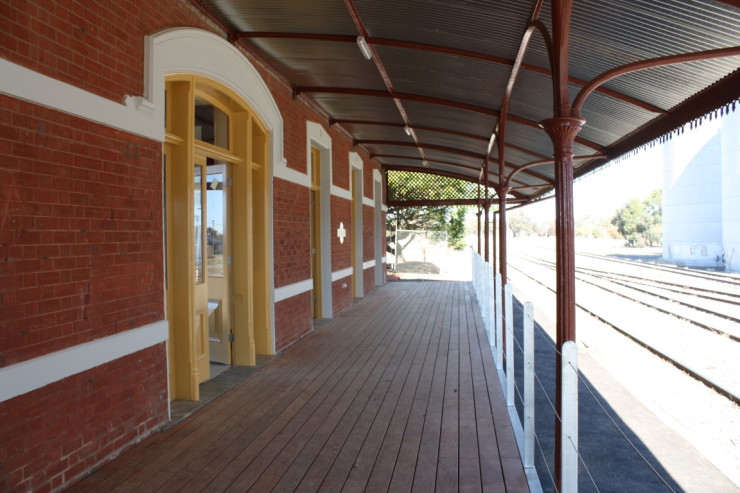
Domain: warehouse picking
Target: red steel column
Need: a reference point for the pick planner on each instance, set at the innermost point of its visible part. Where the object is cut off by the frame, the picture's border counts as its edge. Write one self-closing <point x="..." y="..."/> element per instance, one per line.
<point x="486" y="206"/>
<point x="486" y="232"/>
<point x="502" y="233"/>
<point x="478" y="215"/>
<point x="493" y="246"/>
<point x="562" y="132"/>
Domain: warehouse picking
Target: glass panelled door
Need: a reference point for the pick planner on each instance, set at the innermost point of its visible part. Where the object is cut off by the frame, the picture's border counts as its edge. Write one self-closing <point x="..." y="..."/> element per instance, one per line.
<point x="200" y="289"/>
<point x="218" y="248"/>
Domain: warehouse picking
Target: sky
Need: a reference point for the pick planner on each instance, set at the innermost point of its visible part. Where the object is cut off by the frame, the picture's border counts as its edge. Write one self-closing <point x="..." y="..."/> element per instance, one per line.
<point x="601" y="193"/>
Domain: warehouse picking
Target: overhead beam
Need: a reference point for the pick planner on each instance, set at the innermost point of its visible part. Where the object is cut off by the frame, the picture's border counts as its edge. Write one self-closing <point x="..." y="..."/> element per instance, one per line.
<point x="415" y="169"/>
<point x="648" y="64"/>
<point x="443" y="50"/>
<point x="431" y="203"/>
<point x="451" y="150"/>
<point x="417" y="127"/>
<point x="399" y="95"/>
<point x="448" y="163"/>
<point x="355" y="14"/>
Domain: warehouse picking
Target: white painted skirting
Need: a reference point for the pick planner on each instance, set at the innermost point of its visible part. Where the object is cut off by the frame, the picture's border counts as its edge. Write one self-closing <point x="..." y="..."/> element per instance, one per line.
<point x="341" y="274"/>
<point x="285" y="292"/>
<point x="38" y="372"/>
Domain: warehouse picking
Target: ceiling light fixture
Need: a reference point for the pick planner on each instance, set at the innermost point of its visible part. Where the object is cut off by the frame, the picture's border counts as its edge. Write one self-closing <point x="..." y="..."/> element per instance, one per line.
<point x="364" y="48"/>
<point x="407" y="130"/>
<point x="426" y="163"/>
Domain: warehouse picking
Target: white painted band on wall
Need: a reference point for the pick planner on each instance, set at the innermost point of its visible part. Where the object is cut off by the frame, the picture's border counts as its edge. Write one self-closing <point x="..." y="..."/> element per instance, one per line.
<point x="291" y="175"/>
<point x="341" y="274"/>
<point x="35" y="373"/>
<point x="368" y="264"/>
<point x="341" y="192"/>
<point x="285" y="292"/>
<point x="135" y="117"/>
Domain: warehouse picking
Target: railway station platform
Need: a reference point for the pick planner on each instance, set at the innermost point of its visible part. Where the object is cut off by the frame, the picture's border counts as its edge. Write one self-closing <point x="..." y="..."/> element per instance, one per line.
<point x="398" y="392"/>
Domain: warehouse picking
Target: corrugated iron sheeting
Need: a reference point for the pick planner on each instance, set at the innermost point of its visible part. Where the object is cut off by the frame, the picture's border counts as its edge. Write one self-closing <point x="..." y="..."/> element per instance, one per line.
<point x="609" y="119"/>
<point x="296" y="16"/>
<point x="377" y="132"/>
<point x="427" y="137"/>
<point x="450" y="118"/>
<point x="485" y="26"/>
<point x="604" y="35"/>
<point x="351" y="107"/>
<point x="321" y="63"/>
<point x="441" y="75"/>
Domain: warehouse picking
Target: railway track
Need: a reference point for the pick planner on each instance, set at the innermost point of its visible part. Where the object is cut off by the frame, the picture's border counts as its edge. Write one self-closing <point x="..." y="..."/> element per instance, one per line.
<point x="688" y="318"/>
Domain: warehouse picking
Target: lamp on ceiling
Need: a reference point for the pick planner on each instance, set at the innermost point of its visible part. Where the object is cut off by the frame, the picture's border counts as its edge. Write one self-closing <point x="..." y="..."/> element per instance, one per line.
<point x="407" y="130"/>
<point x="364" y="48"/>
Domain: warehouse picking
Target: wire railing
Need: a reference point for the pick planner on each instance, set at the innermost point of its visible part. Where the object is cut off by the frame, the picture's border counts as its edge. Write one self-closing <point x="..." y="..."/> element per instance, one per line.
<point x="508" y="346"/>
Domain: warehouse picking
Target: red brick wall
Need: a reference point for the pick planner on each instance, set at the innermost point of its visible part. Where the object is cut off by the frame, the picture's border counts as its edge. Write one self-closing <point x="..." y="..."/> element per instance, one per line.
<point x="368" y="279"/>
<point x="97" y="46"/>
<point x="340" y="159"/>
<point x="80" y="231"/>
<point x="54" y="434"/>
<point x="368" y="232"/>
<point x="292" y="232"/>
<point x="292" y="319"/>
<point x="341" y="296"/>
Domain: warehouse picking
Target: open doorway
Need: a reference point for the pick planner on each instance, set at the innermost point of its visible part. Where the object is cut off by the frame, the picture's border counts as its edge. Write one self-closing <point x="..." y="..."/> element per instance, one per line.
<point x="216" y="243"/>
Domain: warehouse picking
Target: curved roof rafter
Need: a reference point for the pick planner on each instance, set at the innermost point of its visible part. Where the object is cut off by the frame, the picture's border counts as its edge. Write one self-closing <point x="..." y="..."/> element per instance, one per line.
<point x="445" y="50"/>
<point x="446" y="163"/>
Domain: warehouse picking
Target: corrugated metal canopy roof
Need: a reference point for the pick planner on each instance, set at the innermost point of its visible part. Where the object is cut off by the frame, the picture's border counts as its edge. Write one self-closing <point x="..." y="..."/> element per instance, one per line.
<point x="443" y="67"/>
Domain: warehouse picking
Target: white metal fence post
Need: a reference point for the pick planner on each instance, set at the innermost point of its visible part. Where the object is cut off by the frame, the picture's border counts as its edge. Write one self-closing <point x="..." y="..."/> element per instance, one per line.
<point x="509" y="318"/>
<point x="569" y="419"/>
<point x="528" y="336"/>
<point x="490" y="303"/>
<point x="499" y="324"/>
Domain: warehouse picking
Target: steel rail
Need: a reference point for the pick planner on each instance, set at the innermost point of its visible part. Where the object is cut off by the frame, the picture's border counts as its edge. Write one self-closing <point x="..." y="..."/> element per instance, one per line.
<point x="673" y="361"/>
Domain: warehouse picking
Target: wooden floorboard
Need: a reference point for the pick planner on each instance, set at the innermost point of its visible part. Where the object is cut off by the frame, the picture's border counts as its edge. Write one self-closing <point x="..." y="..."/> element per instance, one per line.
<point x="398" y="392"/>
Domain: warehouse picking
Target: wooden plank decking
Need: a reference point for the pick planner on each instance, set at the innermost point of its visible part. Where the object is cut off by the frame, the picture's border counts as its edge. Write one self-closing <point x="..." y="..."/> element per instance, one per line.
<point x="396" y="393"/>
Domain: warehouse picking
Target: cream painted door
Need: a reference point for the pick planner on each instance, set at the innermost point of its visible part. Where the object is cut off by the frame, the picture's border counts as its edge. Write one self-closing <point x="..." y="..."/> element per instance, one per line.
<point x="218" y="264"/>
<point x="200" y="291"/>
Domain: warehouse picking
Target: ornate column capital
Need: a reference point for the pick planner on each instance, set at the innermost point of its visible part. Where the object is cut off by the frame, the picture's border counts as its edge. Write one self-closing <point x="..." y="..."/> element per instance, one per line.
<point x="562" y="131"/>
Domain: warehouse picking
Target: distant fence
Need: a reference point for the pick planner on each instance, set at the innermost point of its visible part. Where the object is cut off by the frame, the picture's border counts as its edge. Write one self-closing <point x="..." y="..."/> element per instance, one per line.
<point x="422" y="251"/>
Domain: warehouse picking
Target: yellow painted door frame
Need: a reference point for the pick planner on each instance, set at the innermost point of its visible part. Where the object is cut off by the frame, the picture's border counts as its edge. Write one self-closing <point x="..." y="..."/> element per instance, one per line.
<point x="187" y="303"/>
<point x="356" y="233"/>
<point x="316" y="231"/>
<point x="200" y="272"/>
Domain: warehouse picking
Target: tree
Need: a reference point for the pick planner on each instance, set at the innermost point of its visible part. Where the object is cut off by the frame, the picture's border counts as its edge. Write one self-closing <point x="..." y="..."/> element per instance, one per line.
<point x="447" y="219"/>
<point x="456" y="227"/>
<point x="654" y="220"/>
<point x="520" y="224"/>
<point x="641" y="222"/>
<point x="403" y="185"/>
